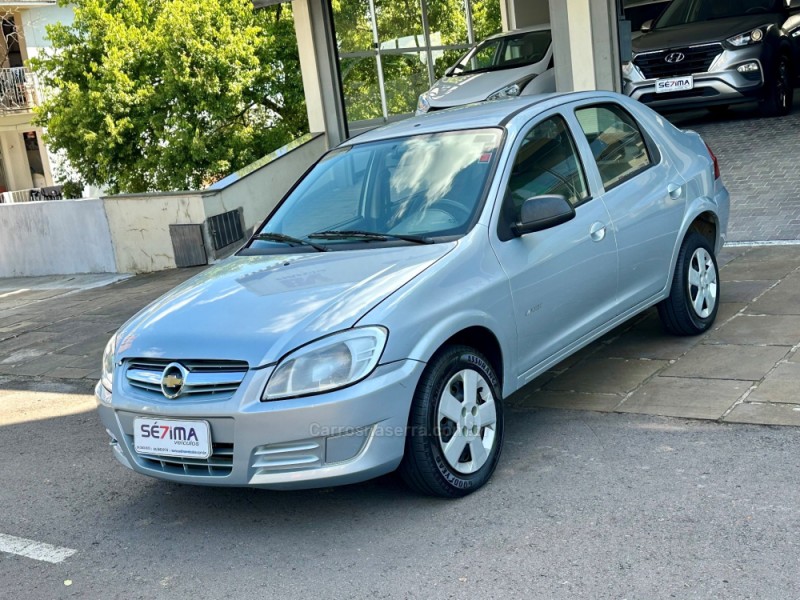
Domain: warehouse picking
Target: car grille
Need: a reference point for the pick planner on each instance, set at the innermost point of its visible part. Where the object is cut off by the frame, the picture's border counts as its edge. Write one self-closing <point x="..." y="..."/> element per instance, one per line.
<point x="217" y="379"/>
<point x="697" y="59"/>
<point x="219" y="464"/>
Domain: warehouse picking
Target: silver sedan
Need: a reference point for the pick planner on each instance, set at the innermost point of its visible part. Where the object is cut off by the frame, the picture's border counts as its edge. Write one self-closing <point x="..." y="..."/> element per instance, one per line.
<point x="415" y="277"/>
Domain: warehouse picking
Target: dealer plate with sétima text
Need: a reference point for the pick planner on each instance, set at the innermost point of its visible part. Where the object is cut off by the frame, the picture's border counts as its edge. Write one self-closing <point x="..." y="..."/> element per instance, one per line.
<point x="168" y="437"/>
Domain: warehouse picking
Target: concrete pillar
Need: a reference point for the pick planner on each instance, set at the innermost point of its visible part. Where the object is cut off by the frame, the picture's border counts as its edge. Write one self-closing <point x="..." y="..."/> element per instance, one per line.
<point x="585" y="46"/>
<point x="516" y="14"/>
<point x="15" y="161"/>
<point x="313" y="24"/>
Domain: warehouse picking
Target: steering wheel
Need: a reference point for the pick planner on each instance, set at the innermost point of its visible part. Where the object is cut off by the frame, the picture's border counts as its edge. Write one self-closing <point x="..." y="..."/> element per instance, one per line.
<point x="456" y="209"/>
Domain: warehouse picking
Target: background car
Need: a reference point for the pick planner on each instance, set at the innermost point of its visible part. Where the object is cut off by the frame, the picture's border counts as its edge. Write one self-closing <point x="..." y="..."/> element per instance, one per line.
<point x="412" y="280"/>
<point x="515" y="63"/>
<point x="714" y="53"/>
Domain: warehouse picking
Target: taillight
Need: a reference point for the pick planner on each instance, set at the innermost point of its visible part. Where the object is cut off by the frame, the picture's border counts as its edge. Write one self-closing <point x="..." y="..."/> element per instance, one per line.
<point x="716" y="162"/>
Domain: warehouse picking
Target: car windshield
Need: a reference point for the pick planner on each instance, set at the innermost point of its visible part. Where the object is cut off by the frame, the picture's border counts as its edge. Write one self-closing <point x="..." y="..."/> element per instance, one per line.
<point x="682" y="12"/>
<point x="410" y="189"/>
<point x="506" y="52"/>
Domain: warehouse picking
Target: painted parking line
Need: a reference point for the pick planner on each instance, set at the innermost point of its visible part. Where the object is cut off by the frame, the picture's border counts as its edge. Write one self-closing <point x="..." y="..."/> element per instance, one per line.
<point x="33" y="549"/>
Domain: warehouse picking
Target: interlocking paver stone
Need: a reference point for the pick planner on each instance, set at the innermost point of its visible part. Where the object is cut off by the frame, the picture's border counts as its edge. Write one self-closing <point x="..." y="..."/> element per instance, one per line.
<point x="782" y="385"/>
<point x="605" y="375"/>
<point x="744" y="291"/>
<point x="684" y="397"/>
<point x="648" y="340"/>
<point x="765" y="414"/>
<point x="727" y="362"/>
<point x="783" y="299"/>
<point x="569" y="400"/>
<point x="758" y="158"/>
<point x="774" y="330"/>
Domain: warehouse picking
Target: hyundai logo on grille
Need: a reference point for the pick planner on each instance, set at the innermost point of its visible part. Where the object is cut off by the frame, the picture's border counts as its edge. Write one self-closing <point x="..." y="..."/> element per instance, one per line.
<point x="172" y="380"/>
<point x="674" y="57"/>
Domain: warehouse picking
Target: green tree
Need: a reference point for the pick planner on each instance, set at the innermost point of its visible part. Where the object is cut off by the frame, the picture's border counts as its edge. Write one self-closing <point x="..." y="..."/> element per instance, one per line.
<point x="170" y="94"/>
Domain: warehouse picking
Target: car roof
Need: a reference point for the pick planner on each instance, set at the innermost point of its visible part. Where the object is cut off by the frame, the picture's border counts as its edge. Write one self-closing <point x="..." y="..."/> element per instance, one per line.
<point x="496" y="113"/>
<point x="542" y="27"/>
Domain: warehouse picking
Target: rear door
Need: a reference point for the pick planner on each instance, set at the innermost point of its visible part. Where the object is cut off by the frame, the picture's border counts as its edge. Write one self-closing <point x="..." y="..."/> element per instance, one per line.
<point x="644" y="195"/>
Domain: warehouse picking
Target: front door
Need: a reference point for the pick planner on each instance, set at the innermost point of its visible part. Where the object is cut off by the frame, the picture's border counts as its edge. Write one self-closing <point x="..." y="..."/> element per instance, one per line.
<point x="563" y="280"/>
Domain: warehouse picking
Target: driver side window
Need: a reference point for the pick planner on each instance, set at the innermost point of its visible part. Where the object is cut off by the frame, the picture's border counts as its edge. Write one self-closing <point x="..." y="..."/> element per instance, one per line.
<point x="546" y="163"/>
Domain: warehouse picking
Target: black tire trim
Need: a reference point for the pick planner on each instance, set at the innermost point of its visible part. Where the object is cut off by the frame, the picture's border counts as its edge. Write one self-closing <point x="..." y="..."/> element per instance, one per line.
<point x="423" y="467"/>
<point x="676" y="312"/>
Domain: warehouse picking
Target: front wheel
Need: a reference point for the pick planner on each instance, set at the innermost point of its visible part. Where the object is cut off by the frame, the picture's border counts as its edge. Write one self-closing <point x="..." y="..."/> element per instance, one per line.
<point x="779" y="91"/>
<point x="455" y="426"/>
<point x="691" y="307"/>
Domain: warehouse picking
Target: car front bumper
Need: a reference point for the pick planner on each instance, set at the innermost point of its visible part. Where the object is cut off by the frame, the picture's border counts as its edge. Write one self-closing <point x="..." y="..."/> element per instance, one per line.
<point x="340" y="437"/>
<point x="710" y="89"/>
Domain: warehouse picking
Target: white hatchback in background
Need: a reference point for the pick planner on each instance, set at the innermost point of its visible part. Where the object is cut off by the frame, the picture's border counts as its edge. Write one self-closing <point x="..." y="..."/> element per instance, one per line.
<point x="514" y="63"/>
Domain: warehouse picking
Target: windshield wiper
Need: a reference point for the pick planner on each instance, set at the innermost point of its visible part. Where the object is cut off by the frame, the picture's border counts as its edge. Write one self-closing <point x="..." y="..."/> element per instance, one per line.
<point x="369" y="235"/>
<point x="288" y="239"/>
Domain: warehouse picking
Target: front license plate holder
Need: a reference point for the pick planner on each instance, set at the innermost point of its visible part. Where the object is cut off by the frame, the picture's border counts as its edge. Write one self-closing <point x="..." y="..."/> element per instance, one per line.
<point x="172" y="437"/>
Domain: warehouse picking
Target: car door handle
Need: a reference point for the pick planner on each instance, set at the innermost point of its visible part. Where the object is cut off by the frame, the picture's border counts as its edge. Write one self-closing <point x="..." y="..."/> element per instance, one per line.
<point x="675" y="191"/>
<point x="597" y="232"/>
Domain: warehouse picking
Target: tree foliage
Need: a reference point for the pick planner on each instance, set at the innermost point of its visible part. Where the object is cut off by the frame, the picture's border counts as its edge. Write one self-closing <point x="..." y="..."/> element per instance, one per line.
<point x="170" y="94"/>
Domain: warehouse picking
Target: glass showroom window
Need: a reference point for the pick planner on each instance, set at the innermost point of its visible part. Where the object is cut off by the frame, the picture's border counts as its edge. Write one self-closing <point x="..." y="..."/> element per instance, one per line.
<point x="391" y="51"/>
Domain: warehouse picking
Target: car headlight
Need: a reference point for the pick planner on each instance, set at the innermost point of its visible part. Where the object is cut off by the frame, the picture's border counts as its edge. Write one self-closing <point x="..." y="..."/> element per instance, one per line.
<point x="107" y="377"/>
<point x="507" y="92"/>
<point x="327" y="364"/>
<point x="423" y="104"/>
<point x="745" y="39"/>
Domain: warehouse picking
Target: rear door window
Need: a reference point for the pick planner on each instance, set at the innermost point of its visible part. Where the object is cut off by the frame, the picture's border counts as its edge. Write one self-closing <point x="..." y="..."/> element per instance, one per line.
<point x="617" y="143"/>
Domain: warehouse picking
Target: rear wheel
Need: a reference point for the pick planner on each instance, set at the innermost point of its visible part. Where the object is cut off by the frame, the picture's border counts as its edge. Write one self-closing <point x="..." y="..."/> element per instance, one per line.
<point x="456" y="425"/>
<point x="778" y="96"/>
<point x="693" y="301"/>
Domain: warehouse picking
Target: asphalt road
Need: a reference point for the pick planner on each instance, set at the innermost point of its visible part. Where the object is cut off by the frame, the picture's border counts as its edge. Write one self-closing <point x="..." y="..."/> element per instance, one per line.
<point x="584" y="505"/>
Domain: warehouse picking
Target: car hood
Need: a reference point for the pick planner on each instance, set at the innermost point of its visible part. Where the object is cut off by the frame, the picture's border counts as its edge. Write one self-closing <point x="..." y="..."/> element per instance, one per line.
<point x="463" y="89"/>
<point x="257" y="308"/>
<point x="716" y="30"/>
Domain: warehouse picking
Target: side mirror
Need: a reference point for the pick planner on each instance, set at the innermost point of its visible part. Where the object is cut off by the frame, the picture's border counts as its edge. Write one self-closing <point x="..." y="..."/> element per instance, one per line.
<point x="543" y="212"/>
<point x="647" y="26"/>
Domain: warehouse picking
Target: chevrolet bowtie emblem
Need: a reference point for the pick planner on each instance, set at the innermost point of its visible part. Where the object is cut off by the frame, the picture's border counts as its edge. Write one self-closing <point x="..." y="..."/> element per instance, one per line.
<point x="172" y="381"/>
<point x="173" y="378"/>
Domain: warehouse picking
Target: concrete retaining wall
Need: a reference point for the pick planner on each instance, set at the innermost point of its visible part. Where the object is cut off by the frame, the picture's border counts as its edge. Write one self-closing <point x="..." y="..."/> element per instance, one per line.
<point x="260" y="186"/>
<point x="130" y="233"/>
<point x="55" y="238"/>
<point x="140" y="228"/>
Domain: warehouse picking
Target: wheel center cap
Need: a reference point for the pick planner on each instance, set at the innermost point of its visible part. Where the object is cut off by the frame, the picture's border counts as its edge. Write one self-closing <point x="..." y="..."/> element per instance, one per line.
<point x="469" y="421"/>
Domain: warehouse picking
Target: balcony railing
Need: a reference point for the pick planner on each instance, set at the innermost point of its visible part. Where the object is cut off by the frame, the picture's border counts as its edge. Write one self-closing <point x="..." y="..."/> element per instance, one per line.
<point x="17" y="90"/>
<point x="32" y="195"/>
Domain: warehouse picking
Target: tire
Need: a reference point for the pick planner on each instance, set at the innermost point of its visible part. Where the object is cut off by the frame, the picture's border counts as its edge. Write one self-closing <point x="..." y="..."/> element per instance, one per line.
<point x="693" y="302"/>
<point x="427" y="467"/>
<point x="778" y="97"/>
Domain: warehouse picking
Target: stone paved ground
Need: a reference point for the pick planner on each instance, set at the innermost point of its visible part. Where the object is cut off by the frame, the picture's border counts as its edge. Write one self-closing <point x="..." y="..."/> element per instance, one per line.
<point x="760" y="162"/>
<point x="51" y="330"/>
<point x="745" y="370"/>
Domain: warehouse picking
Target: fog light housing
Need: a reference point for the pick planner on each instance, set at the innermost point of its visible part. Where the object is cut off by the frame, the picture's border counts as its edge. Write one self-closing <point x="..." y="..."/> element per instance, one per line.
<point x="750" y="67"/>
